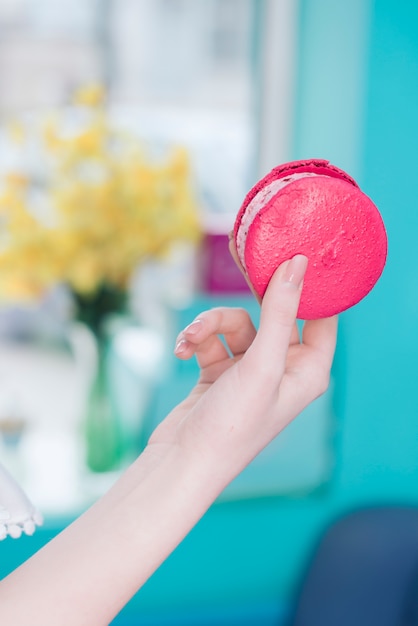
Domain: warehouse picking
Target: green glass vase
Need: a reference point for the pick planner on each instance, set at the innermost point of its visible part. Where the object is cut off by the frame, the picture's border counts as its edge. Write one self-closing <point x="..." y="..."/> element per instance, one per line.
<point x="102" y="434"/>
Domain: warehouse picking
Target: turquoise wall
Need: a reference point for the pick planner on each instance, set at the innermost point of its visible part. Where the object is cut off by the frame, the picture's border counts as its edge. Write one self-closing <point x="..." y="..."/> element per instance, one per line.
<point x="390" y="142"/>
<point x="357" y="105"/>
<point x="362" y="113"/>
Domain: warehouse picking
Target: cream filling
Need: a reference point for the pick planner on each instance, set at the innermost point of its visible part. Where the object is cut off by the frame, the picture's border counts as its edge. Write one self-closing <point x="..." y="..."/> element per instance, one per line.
<point x="260" y="200"/>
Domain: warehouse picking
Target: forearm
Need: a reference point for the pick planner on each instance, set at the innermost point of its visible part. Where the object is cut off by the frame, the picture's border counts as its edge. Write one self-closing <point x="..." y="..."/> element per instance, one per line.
<point x="88" y="572"/>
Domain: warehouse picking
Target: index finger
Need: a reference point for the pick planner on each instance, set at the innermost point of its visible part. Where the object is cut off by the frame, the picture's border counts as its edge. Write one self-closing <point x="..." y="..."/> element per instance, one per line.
<point x="278" y="312"/>
<point x="234" y="254"/>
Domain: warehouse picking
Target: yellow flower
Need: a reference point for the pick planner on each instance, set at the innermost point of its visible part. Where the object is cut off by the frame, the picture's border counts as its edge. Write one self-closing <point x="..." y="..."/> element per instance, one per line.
<point x="16" y="132"/>
<point x="90" y="95"/>
<point x="113" y="208"/>
<point x="51" y="136"/>
<point x="90" y="142"/>
<point x="16" y="181"/>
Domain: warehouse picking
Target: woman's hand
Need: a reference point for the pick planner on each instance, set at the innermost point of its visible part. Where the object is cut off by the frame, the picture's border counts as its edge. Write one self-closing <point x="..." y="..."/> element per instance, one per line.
<point x="252" y="387"/>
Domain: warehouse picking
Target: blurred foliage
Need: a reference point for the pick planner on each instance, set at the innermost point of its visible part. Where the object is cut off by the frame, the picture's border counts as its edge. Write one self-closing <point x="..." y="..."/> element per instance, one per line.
<point x="96" y="209"/>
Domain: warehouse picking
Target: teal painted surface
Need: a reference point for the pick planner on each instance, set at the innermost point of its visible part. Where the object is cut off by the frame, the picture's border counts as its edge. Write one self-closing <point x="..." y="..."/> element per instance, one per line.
<point x="358" y="106"/>
<point x="377" y="132"/>
<point x="334" y="38"/>
<point x="382" y="434"/>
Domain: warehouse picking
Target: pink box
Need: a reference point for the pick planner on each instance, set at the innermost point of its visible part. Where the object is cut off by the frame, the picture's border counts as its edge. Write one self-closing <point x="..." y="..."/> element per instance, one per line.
<point x="218" y="271"/>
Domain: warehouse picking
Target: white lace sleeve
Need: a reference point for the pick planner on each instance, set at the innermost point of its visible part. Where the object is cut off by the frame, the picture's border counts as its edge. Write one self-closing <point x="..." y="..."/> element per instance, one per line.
<point x="17" y="513"/>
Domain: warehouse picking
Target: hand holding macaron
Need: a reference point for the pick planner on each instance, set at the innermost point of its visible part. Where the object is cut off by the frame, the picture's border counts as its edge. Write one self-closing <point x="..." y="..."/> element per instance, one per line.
<point x="253" y="385"/>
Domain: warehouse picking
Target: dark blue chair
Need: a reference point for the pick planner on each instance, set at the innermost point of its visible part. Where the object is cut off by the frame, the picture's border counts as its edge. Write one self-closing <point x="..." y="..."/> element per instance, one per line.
<point x="364" y="572"/>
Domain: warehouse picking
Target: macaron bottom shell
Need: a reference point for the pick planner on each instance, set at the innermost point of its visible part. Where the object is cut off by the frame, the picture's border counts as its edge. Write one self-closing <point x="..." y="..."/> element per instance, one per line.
<point x="336" y="226"/>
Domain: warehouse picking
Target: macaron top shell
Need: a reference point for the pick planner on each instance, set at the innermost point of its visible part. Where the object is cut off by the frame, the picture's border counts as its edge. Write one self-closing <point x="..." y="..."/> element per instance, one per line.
<point x="323" y="215"/>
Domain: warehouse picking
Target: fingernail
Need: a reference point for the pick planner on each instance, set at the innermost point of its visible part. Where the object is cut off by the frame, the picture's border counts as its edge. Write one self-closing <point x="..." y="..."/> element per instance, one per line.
<point x="194" y="327"/>
<point x="180" y="346"/>
<point x="295" y="270"/>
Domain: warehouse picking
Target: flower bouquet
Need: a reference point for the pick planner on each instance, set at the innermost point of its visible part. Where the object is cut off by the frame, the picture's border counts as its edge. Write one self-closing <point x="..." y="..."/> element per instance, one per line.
<point x="88" y="211"/>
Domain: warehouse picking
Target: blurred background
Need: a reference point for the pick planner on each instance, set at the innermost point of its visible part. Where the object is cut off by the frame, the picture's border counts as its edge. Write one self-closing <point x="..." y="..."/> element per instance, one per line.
<point x="130" y="132"/>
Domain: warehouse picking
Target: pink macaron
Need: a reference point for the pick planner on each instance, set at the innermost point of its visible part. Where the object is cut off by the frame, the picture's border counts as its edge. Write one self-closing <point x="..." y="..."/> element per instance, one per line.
<point x="313" y="208"/>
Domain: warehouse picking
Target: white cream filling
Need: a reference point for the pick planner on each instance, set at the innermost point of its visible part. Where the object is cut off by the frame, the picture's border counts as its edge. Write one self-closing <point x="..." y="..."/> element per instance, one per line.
<point x="260" y="200"/>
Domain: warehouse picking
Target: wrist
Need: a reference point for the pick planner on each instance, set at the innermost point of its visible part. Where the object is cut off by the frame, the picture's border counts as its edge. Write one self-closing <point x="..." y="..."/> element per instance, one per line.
<point x="187" y="471"/>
